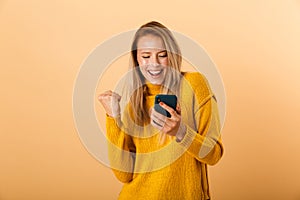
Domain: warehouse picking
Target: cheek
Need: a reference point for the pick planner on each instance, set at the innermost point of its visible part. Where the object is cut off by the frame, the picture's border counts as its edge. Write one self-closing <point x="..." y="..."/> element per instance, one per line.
<point x="141" y="61"/>
<point x="165" y="62"/>
<point x="143" y="70"/>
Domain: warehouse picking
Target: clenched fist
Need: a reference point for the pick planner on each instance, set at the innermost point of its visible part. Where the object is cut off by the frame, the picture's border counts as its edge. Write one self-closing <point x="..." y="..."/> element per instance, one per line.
<point x="110" y="102"/>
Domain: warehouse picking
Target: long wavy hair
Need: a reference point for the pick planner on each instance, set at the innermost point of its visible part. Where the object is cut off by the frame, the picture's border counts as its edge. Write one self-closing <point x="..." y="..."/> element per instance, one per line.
<point x="173" y="76"/>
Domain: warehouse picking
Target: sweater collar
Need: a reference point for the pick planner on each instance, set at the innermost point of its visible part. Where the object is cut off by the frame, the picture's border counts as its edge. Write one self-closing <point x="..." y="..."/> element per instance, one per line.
<point x="152" y="89"/>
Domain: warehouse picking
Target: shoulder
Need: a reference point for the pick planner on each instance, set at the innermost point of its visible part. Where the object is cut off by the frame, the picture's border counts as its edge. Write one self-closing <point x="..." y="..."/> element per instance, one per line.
<point x="194" y="77"/>
<point x="197" y="81"/>
<point x="198" y="84"/>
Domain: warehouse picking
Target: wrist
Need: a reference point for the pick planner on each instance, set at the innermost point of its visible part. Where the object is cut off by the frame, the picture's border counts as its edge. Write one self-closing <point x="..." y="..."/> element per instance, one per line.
<point x="181" y="133"/>
<point x="113" y="116"/>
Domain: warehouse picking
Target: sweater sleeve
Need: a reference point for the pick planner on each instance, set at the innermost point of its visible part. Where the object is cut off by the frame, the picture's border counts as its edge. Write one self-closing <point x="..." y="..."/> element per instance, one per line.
<point x="203" y="139"/>
<point x="205" y="144"/>
<point x="121" y="150"/>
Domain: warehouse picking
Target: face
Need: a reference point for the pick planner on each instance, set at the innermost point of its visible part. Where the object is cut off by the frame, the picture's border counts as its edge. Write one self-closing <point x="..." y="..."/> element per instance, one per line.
<point x="152" y="58"/>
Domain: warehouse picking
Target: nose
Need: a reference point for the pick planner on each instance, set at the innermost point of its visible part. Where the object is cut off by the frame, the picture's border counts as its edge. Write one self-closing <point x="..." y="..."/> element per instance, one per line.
<point x="154" y="60"/>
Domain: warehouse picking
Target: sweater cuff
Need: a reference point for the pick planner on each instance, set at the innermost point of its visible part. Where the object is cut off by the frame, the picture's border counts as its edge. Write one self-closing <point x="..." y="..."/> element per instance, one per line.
<point x="188" y="138"/>
<point x="113" y="122"/>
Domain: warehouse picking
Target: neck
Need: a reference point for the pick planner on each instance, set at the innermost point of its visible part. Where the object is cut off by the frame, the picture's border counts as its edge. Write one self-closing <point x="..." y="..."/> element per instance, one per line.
<point x="153" y="89"/>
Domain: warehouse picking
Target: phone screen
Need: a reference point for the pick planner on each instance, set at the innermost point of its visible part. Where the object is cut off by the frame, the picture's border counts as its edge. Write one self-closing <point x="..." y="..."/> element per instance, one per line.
<point x="170" y="100"/>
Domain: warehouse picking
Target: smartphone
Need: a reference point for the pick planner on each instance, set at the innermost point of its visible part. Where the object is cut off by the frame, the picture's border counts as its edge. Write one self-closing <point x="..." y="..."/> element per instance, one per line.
<point x="170" y="100"/>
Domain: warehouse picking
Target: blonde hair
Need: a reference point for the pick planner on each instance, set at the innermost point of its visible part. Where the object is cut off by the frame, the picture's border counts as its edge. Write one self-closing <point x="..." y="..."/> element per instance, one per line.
<point x="172" y="80"/>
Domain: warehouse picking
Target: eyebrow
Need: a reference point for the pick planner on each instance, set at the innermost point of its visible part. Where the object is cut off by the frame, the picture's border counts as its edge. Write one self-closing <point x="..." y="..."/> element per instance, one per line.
<point x="145" y="51"/>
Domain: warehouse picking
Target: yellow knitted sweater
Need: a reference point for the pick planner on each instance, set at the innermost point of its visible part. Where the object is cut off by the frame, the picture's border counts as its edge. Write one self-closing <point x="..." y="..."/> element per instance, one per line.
<point x="172" y="170"/>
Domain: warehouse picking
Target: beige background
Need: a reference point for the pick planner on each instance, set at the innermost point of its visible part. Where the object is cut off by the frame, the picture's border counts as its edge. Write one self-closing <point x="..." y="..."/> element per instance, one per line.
<point x="255" y="45"/>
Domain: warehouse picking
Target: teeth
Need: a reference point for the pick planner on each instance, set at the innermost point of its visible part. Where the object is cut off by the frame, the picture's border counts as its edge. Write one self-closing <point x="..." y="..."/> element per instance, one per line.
<point x="155" y="72"/>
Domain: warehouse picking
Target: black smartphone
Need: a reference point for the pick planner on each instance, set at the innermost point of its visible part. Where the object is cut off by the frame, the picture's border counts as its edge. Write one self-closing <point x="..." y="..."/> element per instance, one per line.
<point x="170" y="100"/>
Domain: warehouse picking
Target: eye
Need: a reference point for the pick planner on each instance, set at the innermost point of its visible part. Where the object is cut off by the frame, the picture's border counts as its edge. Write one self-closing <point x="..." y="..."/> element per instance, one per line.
<point x="145" y="56"/>
<point x="163" y="55"/>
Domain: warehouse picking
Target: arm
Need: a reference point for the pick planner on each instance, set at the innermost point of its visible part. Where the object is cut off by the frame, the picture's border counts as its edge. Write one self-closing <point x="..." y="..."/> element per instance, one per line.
<point x="203" y="141"/>
<point x="205" y="145"/>
<point x="121" y="150"/>
<point x="120" y="145"/>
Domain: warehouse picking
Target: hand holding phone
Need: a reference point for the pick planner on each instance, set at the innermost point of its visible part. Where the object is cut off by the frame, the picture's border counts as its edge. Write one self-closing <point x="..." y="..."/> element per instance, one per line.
<point x="170" y="100"/>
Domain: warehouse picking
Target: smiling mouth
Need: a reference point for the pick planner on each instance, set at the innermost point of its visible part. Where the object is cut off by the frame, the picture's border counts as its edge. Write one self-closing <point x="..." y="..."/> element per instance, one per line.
<point x="155" y="72"/>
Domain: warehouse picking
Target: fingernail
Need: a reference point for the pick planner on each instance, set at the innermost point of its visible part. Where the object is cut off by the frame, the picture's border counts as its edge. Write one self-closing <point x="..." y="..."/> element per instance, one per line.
<point x="161" y="103"/>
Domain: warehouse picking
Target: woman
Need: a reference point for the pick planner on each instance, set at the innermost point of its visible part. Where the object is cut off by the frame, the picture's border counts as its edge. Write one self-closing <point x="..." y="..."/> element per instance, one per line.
<point x="155" y="156"/>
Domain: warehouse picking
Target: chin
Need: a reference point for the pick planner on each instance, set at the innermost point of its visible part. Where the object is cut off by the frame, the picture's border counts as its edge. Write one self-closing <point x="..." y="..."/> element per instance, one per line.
<point x="156" y="82"/>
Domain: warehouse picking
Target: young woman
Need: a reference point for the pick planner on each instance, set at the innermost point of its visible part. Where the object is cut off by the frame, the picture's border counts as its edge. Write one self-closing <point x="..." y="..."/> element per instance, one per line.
<point x="155" y="156"/>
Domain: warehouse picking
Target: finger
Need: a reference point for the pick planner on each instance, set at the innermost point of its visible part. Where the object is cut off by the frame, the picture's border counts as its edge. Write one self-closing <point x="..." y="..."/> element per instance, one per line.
<point x="167" y="128"/>
<point x="156" y="125"/>
<point x="178" y="109"/>
<point x="116" y="95"/>
<point x="158" y="116"/>
<point x="110" y="93"/>
<point x="168" y="108"/>
<point x="113" y="94"/>
<point x="163" y="120"/>
<point x="158" y="119"/>
<point x="103" y="96"/>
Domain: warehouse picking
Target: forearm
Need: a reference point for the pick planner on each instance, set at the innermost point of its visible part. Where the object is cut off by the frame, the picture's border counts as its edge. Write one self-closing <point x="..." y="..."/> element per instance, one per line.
<point x="204" y="144"/>
<point x="205" y="149"/>
<point x="120" y="150"/>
